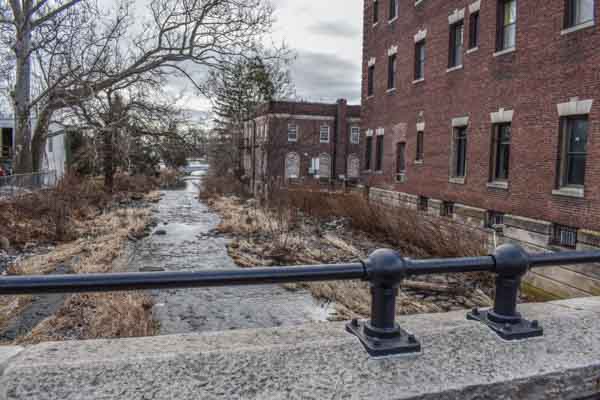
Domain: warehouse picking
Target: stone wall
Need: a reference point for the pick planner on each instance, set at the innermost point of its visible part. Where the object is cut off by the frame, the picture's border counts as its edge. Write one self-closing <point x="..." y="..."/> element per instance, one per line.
<point x="460" y="359"/>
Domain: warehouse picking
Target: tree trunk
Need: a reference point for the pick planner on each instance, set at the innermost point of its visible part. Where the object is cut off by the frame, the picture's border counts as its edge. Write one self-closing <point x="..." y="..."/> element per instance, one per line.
<point x="22" y="99"/>
<point x="40" y="134"/>
<point x="109" y="161"/>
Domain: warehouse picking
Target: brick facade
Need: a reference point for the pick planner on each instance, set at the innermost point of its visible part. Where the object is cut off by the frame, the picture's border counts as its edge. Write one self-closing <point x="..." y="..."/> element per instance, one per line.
<point x="267" y="144"/>
<point x="549" y="66"/>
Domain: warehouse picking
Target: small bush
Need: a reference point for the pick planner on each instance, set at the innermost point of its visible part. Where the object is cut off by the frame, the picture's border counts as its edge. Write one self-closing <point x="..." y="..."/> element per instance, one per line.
<point x="214" y="186"/>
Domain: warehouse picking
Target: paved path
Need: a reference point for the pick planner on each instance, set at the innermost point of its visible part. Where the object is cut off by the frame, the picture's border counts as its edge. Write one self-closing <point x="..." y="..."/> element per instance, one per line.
<point x="188" y="245"/>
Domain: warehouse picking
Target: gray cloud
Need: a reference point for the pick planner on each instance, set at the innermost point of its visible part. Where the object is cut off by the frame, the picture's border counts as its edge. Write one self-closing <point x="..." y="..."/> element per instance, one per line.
<point x="326" y="77"/>
<point x="335" y="29"/>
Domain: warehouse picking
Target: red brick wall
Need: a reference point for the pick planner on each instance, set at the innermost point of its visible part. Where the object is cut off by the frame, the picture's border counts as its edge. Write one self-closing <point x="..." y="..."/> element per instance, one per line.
<point x="337" y="117"/>
<point x="546" y="69"/>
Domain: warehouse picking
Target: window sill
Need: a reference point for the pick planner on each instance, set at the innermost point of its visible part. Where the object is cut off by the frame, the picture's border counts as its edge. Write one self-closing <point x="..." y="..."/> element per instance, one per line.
<point x="370" y="97"/>
<point x="391" y="21"/>
<point x="570" y="192"/>
<point x="322" y="142"/>
<point x="457" y="180"/>
<point x="503" y="185"/>
<point x="473" y="50"/>
<point x="579" y="27"/>
<point x="451" y="69"/>
<point x="418" y="2"/>
<point x="391" y="90"/>
<point x="418" y="162"/>
<point x="379" y="172"/>
<point x="505" y="51"/>
<point x="417" y="81"/>
<point x="400" y="178"/>
<point x="375" y="24"/>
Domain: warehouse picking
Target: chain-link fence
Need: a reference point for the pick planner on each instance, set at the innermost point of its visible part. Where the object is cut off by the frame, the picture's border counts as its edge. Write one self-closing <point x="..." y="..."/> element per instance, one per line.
<point x="19" y="184"/>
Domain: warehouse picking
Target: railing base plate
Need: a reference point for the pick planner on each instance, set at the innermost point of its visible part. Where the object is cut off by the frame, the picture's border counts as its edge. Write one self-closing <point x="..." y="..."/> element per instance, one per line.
<point x="402" y="343"/>
<point x="508" y="331"/>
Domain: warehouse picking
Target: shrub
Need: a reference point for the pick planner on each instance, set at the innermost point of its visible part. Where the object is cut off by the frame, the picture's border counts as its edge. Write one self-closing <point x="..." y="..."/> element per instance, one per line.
<point x="410" y="231"/>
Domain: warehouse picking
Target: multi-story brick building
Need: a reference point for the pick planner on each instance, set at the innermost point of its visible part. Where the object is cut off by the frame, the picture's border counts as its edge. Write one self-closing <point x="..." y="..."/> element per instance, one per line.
<point x="487" y="111"/>
<point x="302" y="143"/>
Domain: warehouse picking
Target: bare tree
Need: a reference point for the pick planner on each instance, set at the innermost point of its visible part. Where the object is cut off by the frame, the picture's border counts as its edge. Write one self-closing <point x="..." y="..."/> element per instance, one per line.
<point x="107" y="50"/>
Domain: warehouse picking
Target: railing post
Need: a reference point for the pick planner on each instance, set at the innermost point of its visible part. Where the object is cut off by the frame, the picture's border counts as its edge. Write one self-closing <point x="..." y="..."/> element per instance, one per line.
<point x="512" y="262"/>
<point x="381" y="335"/>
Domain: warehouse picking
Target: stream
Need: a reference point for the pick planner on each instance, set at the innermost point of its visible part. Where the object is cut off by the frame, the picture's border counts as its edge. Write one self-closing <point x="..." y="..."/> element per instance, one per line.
<point x="184" y="240"/>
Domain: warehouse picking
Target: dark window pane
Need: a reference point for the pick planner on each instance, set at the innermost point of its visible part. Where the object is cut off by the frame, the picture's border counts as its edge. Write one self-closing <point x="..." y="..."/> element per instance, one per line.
<point x="392" y="71"/>
<point x="474" y="30"/>
<point x="400" y="161"/>
<point x="460" y="152"/>
<point x="368" y="152"/>
<point x="370" y="82"/>
<point x="375" y="11"/>
<point x="379" y="153"/>
<point x="576" y="170"/>
<point x="456" y="44"/>
<point x="578" y="139"/>
<point x="393" y="9"/>
<point x="420" y="145"/>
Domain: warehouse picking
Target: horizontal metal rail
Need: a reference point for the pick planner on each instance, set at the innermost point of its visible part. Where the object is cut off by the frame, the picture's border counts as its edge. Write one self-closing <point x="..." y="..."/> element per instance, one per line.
<point x="36" y="284"/>
<point x="384" y="269"/>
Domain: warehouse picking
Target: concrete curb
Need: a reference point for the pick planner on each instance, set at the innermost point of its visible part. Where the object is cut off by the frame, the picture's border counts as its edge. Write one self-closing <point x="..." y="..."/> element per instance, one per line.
<point x="460" y="360"/>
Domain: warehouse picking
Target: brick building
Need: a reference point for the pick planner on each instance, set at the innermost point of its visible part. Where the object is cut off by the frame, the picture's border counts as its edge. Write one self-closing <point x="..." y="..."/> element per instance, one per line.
<point x="299" y="142"/>
<point x="487" y="112"/>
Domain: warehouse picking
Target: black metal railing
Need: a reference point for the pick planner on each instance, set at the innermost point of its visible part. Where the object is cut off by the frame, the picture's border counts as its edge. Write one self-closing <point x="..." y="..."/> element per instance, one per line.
<point x="384" y="270"/>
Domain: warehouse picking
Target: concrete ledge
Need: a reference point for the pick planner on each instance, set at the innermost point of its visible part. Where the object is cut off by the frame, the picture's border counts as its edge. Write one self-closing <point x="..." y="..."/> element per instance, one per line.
<point x="6" y="353"/>
<point x="461" y="360"/>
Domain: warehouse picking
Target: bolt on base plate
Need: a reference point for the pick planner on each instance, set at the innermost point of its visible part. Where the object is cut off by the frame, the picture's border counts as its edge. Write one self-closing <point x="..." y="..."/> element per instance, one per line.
<point x="523" y="329"/>
<point x="400" y="343"/>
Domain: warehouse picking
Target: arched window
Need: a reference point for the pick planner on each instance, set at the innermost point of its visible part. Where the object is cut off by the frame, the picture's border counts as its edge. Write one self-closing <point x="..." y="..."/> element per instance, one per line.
<point x="353" y="166"/>
<point x="292" y="165"/>
<point x="324" y="166"/>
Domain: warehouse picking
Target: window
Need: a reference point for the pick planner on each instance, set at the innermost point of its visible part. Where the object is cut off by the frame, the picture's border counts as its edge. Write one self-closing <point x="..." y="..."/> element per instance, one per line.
<point x="314" y="166"/>
<point x="50" y="147"/>
<point x="447" y="209"/>
<point x="368" y="152"/>
<point x="324" y="134"/>
<point x="495" y="219"/>
<point x="459" y="167"/>
<point x="456" y="44"/>
<point x="573" y="154"/>
<point x="423" y="204"/>
<point x="500" y="152"/>
<point x="391" y="71"/>
<point x="420" y="60"/>
<point x="354" y="135"/>
<point x="292" y="133"/>
<point x="324" y="166"/>
<point x="565" y="236"/>
<point x="400" y="158"/>
<point x="578" y="12"/>
<point x="292" y="166"/>
<point x="393" y="9"/>
<point x="370" y="80"/>
<point x="420" y="152"/>
<point x="379" y="153"/>
<point x="375" y="11"/>
<point x="353" y="166"/>
<point x="474" y="30"/>
<point x="507" y="25"/>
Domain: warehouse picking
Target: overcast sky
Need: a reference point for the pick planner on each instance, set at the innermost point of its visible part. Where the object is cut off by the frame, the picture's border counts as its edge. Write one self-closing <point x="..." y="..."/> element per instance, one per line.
<point x="327" y="37"/>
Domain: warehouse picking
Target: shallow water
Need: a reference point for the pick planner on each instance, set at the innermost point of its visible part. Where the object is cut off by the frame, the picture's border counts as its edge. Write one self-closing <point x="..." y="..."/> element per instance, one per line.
<point x="189" y="245"/>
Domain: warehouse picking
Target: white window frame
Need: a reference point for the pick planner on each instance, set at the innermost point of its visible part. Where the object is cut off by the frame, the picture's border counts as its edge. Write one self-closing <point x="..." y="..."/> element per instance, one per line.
<point x="354" y="135"/>
<point x="321" y="132"/>
<point x="294" y="128"/>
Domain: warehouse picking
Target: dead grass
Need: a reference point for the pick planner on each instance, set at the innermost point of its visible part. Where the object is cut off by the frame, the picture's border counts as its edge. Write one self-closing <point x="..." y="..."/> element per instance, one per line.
<point x="100" y="237"/>
<point x="92" y="316"/>
<point x="214" y="186"/>
<point x="292" y="230"/>
<point x="53" y="215"/>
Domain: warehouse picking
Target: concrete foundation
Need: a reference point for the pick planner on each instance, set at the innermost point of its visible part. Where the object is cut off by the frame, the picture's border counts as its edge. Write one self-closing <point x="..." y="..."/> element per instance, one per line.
<point x="460" y="360"/>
